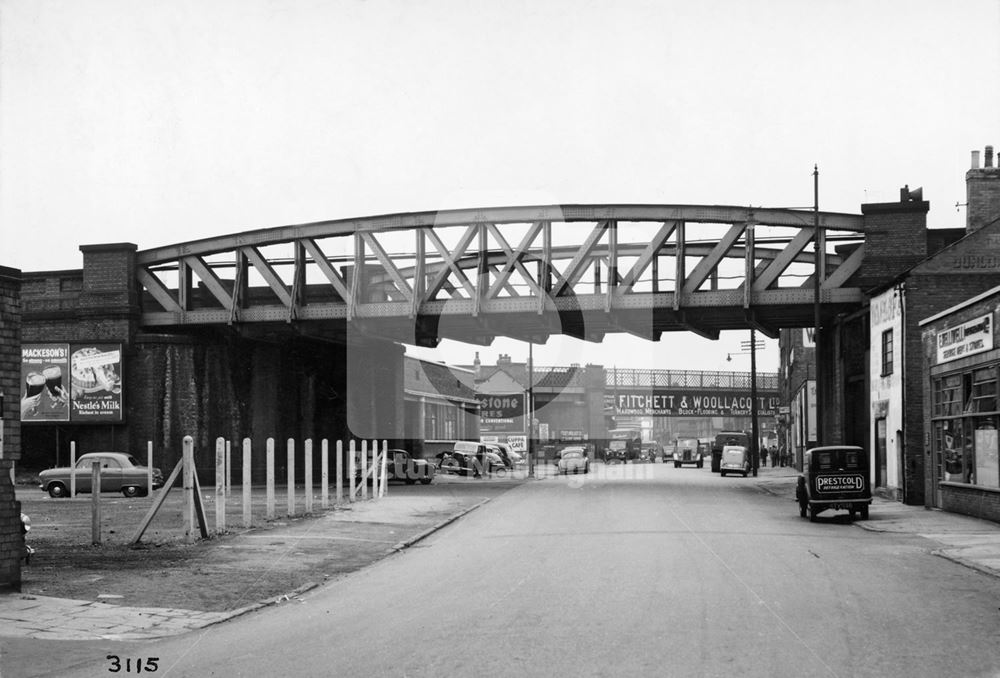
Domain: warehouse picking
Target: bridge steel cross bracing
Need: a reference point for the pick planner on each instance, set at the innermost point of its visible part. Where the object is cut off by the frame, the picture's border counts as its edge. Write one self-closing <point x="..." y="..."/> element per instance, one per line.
<point x="523" y="272"/>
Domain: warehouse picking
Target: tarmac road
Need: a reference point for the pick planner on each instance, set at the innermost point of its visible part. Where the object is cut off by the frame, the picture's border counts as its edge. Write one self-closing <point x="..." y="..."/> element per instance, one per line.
<point x="111" y="597"/>
<point x="675" y="573"/>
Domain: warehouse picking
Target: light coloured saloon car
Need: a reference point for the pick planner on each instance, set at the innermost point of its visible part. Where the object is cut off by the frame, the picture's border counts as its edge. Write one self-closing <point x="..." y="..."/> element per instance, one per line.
<point x="574" y="460"/>
<point x="120" y="472"/>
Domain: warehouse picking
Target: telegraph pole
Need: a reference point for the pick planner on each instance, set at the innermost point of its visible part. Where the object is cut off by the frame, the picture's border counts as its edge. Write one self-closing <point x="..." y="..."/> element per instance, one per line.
<point x="531" y="410"/>
<point x="818" y="266"/>
<point x="754" y="430"/>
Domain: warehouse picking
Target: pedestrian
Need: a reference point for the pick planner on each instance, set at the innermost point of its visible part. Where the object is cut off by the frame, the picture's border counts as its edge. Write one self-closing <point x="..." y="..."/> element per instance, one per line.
<point x="774" y="456"/>
<point x="763" y="457"/>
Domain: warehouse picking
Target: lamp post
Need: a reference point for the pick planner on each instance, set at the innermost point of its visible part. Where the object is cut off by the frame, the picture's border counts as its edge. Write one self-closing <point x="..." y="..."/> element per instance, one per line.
<point x="753" y="345"/>
<point x="531" y="410"/>
<point x="755" y="437"/>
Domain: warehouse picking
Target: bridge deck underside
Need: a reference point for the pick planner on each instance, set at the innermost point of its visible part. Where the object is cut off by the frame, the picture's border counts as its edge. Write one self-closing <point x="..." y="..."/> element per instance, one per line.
<point x="584" y="317"/>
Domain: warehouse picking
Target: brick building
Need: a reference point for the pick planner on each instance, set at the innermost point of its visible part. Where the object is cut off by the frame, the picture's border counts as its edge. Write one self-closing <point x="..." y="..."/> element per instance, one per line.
<point x="871" y="362"/>
<point x="961" y="410"/>
<point x="11" y="541"/>
<point x="205" y="382"/>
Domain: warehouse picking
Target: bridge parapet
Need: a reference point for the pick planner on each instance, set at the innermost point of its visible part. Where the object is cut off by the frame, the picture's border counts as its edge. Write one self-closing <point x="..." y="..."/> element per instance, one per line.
<point x="649" y="378"/>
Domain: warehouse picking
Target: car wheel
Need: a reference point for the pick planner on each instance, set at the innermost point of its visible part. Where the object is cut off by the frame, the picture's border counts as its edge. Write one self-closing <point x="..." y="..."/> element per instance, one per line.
<point x="722" y="473"/>
<point x="813" y="512"/>
<point x="57" y="490"/>
<point x="864" y="512"/>
<point x="131" y="491"/>
<point x="425" y="481"/>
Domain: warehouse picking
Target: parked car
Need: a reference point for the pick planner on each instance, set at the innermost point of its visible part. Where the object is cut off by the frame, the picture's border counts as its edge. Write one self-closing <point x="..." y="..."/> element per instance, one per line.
<point x="515" y="456"/>
<point x="501" y="452"/>
<point x="653" y="450"/>
<point x="735" y="459"/>
<point x="688" y="451"/>
<point x="401" y="465"/>
<point x="722" y="439"/>
<point x="120" y="472"/>
<point x="469" y="458"/>
<point x="834" y="477"/>
<point x="575" y="460"/>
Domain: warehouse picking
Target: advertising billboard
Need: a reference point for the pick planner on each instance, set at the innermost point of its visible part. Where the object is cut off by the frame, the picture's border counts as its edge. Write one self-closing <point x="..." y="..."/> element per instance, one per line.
<point x="44" y="396"/>
<point x="79" y="383"/>
<point x="501" y="412"/>
<point x="694" y="403"/>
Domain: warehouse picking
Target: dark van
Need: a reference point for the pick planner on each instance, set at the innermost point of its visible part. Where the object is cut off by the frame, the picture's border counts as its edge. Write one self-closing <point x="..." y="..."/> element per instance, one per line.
<point x="834" y="477"/>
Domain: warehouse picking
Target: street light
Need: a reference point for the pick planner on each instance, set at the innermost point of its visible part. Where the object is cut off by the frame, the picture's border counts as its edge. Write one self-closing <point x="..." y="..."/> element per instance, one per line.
<point x="754" y="345"/>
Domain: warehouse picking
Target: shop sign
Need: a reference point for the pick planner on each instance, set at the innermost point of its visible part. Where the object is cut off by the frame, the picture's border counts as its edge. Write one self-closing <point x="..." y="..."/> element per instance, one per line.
<point x="969" y="338"/>
<point x="693" y="403"/>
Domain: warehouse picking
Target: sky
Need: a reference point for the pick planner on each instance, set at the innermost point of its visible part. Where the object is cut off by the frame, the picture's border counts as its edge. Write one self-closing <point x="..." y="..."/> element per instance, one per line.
<point x="158" y="122"/>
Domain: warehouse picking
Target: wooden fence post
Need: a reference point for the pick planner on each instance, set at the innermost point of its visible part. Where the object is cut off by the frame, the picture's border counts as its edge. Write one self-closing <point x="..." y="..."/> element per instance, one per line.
<point x="247" y="484"/>
<point x="188" y="471"/>
<point x="339" y="472"/>
<point x="364" y="469"/>
<point x="308" y="470"/>
<point x="229" y="468"/>
<point x="291" y="477"/>
<point x="72" y="468"/>
<point x="220" y="485"/>
<point x="270" y="479"/>
<point x="350" y="471"/>
<point x="95" y="502"/>
<point x="383" y="477"/>
<point x="324" y="473"/>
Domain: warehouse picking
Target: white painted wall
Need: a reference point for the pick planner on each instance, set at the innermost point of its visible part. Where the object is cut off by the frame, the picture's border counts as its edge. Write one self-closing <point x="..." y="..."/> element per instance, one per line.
<point x="886" y="398"/>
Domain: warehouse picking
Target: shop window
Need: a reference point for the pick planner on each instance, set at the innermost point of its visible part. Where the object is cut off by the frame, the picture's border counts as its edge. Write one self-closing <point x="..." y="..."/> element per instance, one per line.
<point x="954" y="453"/>
<point x="987" y="471"/>
<point x="887" y="353"/>
<point x="948" y="396"/>
<point x="984" y="390"/>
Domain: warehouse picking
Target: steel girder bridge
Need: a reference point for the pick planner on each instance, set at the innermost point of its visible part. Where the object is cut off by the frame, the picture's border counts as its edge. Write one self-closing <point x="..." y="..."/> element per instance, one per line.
<point x="522" y="272"/>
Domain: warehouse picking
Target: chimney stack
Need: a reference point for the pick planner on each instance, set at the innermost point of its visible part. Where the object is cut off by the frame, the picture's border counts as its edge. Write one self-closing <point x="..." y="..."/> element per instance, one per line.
<point x="982" y="192"/>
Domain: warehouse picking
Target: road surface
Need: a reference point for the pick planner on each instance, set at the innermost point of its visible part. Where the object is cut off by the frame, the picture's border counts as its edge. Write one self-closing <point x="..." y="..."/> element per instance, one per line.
<point x="631" y="570"/>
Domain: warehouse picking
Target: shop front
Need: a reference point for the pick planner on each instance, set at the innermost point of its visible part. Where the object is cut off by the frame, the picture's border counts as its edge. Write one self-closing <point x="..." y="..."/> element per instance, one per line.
<point x="962" y="411"/>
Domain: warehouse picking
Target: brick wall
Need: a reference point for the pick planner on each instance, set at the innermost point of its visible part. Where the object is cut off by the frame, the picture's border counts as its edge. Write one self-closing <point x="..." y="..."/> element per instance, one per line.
<point x="926" y="295"/>
<point x="971" y="501"/>
<point x="11" y="541"/>
<point x="895" y="240"/>
<point x="982" y="192"/>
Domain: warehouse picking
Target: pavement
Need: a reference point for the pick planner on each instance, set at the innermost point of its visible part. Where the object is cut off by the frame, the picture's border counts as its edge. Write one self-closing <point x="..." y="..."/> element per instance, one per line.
<point x="968" y="541"/>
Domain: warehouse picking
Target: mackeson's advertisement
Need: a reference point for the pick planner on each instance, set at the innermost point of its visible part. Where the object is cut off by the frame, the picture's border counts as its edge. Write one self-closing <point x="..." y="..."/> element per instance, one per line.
<point x="689" y="403"/>
<point x="80" y="383"/>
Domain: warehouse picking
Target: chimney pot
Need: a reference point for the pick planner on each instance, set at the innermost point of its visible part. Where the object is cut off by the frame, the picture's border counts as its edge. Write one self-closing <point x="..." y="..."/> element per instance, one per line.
<point x="975" y="160"/>
<point x="989" y="156"/>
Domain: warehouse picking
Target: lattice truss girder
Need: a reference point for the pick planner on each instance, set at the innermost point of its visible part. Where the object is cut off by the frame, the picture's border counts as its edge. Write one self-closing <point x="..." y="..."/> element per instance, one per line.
<point x="497" y="264"/>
